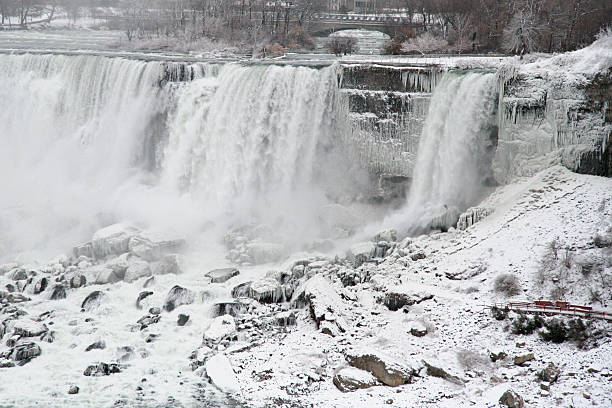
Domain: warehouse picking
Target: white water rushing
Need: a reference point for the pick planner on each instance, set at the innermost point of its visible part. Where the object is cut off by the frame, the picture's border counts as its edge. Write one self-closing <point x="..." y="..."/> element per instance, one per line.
<point x="454" y="156"/>
<point x="88" y="141"/>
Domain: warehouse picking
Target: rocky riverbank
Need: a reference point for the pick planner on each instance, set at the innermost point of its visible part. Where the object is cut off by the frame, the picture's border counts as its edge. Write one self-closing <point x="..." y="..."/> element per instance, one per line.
<point x="127" y="317"/>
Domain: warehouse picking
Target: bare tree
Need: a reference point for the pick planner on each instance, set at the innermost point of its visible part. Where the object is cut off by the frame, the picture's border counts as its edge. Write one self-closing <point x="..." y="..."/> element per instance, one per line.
<point x="523" y="32"/>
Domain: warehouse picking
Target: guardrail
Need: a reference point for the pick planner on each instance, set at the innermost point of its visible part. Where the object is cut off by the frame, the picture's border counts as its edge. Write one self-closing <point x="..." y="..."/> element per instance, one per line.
<point x="549" y="308"/>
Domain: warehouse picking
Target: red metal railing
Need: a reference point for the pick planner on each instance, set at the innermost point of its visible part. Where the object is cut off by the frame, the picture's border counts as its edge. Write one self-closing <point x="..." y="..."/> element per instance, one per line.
<point x="555" y="308"/>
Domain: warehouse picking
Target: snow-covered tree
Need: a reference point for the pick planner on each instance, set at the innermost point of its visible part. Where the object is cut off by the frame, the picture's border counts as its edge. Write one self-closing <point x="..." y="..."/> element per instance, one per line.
<point x="425" y="43"/>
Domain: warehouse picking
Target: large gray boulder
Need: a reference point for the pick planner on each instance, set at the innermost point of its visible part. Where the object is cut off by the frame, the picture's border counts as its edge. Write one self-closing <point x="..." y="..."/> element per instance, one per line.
<point x="511" y="399"/>
<point x="389" y="370"/>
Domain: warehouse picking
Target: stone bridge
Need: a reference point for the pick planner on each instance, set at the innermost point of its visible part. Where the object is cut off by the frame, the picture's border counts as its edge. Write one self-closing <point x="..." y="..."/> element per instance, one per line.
<point x="324" y="24"/>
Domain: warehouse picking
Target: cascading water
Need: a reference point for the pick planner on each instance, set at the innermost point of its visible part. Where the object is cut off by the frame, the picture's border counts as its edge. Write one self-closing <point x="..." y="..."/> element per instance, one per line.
<point x="91" y="140"/>
<point x="260" y="143"/>
<point x="453" y="163"/>
<point x="73" y="131"/>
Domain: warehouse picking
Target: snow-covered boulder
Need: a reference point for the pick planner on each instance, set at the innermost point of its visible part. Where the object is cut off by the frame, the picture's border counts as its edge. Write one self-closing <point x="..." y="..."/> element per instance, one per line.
<point x="351" y="379"/>
<point x="434" y="369"/>
<point x="401" y="296"/>
<point x="511" y="399"/>
<point x="265" y="290"/>
<point x="392" y="371"/>
<point x="418" y="329"/>
<point x="326" y="306"/>
<point x="178" y="296"/>
<point x="26" y="327"/>
<point x="220" y="372"/>
<point x="118" y="264"/>
<point x="222" y="275"/>
<point x="112" y="240"/>
<point x="102" y="275"/>
<point x="24" y="352"/>
<point x="221" y="327"/>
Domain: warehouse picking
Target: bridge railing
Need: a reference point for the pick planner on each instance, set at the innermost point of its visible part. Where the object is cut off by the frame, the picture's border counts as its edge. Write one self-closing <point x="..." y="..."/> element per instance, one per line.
<point x="382" y="19"/>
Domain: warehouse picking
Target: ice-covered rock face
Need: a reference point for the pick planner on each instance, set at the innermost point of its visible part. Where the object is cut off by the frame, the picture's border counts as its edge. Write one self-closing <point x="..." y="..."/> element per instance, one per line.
<point x="553" y="117"/>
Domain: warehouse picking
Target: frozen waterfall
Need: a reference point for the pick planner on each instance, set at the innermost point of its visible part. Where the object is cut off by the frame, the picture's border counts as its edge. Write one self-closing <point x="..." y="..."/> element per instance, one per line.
<point x="453" y="165"/>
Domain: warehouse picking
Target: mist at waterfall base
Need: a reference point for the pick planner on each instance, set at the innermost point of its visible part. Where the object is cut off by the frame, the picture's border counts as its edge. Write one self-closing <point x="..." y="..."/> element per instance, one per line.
<point x="89" y="141"/>
<point x="453" y="166"/>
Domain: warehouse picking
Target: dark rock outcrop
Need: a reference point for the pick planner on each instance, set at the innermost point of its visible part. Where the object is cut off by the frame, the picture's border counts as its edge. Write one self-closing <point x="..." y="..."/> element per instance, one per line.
<point x="102" y="369"/>
<point x="98" y="345"/>
<point x="25" y="352"/>
<point x="59" y="292"/>
<point x="141" y="296"/>
<point x="511" y="399"/>
<point x="550" y="373"/>
<point x="182" y="319"/>
<point x="93" y="301"/>
<point x="178" y="296"/>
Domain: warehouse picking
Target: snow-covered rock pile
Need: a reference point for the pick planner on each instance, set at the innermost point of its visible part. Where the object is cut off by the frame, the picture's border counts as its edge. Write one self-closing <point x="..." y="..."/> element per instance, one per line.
<point x="121" y="252"/>
<point x="381" y="316"/>
<point x="115" y="253"/>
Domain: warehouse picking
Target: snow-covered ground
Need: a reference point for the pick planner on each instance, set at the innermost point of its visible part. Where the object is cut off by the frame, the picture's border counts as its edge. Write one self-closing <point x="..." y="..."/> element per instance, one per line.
<point x="295" y="365"/>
